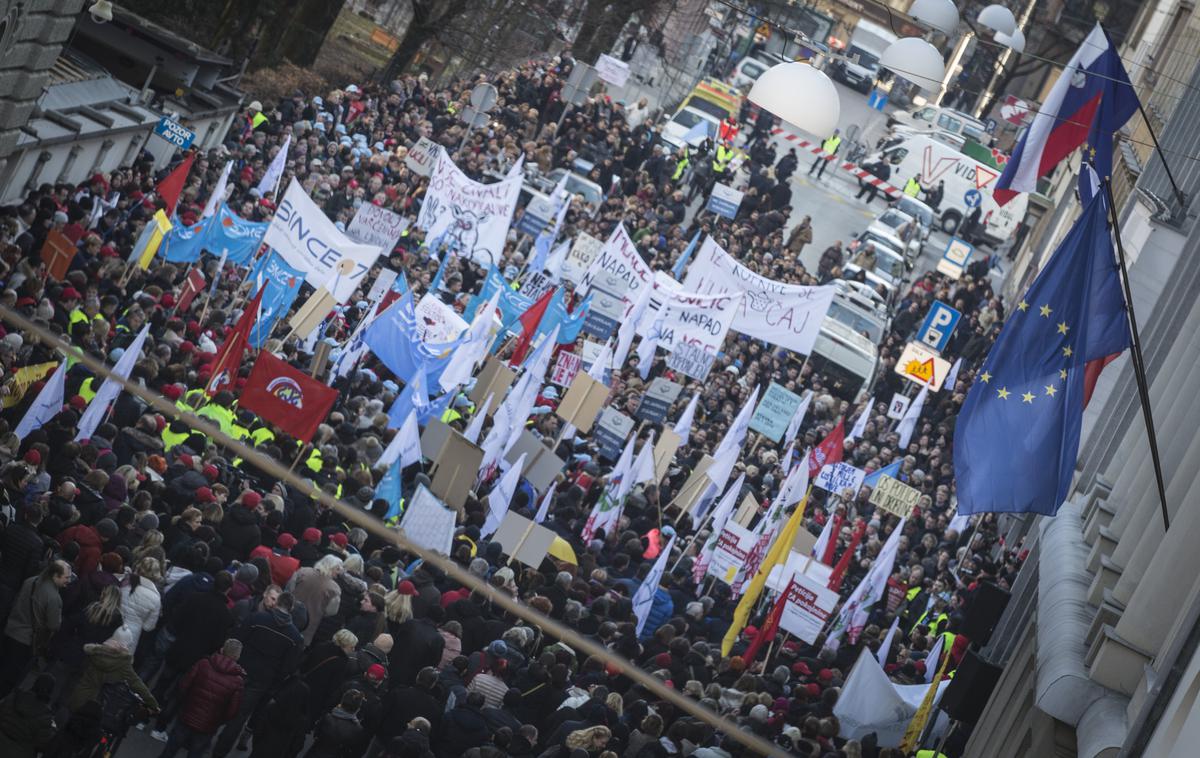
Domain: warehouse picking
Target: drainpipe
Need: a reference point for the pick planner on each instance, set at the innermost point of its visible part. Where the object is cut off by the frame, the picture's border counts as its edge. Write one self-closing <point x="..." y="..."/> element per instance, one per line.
<point x="1064" y="690"/>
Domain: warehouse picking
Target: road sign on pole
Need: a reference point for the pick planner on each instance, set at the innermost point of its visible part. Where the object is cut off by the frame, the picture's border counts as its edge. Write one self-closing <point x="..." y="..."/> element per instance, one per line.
<point x="939" y="325"/>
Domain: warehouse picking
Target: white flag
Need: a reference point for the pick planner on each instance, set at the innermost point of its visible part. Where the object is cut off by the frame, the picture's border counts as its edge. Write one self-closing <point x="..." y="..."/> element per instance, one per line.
<point x="798" y="417"/>
<point x="960" y="523"/>
<point x="934" y="659"/>
<point x="822" y="545"/>
<point x="556" y="259"/>
<point x="501" y="497"/>
<point x="860" y="425"/>
<point x="517" y="168"/>
<point x="719" y="519"/>
<point x="683" y="427"/>
<point x="908" y="424"/>
<point x="794" y="486"/>
<point x="476" y="425"/>
<point x="405" y="446"/>
<point x="952" y="377"/>
<point x="274" y="174"/>
<point x="219" y="192"/>
<point x="643" y="465"/>
<point x="785" y="464"/>
<point x="643" y="599"/>
<point x="736" y="434"/>
<point x="473" y="348"/>
<point x="622" y="473"/>
<point x="885" y="648"/>
<point x="544" y="509"/>
<point x="629" y="327"/>
<point x="48" y="404"/>
<point x="853" y="614"/>
<point x="98" y="408"/>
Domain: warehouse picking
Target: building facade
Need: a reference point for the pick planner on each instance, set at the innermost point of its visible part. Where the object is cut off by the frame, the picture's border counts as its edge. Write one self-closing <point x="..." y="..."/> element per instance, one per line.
<point x="1099" y="642"/>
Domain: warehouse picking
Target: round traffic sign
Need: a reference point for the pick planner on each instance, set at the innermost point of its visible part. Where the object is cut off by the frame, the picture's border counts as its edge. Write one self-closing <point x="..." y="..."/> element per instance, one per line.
<point x="972" y="198"/>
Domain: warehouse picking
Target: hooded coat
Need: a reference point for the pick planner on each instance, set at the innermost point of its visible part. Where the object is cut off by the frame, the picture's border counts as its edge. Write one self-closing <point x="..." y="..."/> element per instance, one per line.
<point x="107" y="665"/>
<point x="212" y="693"/>
<point x="26" y="725"/>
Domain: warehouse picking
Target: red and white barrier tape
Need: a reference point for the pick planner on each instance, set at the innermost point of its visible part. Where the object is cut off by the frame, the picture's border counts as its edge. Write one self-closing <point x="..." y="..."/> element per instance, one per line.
<point x="852" y="168"/>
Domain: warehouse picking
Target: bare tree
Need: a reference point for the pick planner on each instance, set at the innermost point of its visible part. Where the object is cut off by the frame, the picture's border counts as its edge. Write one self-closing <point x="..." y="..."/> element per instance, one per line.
<point x="429" y="17"/>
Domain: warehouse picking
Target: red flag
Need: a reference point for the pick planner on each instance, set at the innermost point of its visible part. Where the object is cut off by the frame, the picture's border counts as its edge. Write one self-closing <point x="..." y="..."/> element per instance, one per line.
<point x="839" y="571"/>
<point x="529" y="324"/>
<point x="170" y="188"/>
<point x="287" y="397"/>
<point x="193" y="286"/>
<point x="829" y="451"/>
<point x="834" y="531"/>
<point x="229" y="356"/>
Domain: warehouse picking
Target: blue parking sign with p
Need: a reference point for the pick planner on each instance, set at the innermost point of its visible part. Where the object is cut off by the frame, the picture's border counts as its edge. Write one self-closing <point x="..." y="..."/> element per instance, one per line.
<point x="939" y="324"/>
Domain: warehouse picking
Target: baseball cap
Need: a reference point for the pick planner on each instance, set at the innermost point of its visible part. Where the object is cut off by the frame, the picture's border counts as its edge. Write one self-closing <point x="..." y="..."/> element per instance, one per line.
<point x="286" y="541"/>
<point x="339" y="539"/>
<point x="312" y="534"/>
<point x="251" y="499"/>
<point x="376" y="672"/>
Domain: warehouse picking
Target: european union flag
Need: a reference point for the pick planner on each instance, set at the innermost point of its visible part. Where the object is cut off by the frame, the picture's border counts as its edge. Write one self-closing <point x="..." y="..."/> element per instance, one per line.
<point x="1017" y="436"/>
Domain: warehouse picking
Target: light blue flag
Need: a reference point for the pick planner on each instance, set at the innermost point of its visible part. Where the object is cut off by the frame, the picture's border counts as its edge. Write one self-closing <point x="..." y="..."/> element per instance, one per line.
<point x="182" y="244"/>
<point x="232" y="236"/>
<point x="686" y="256"/>
<point x="389" y="489"/>
<point x="872" y="479"/>
<point x="414" y="397"/>
<point x="393" y="337"/>
<point x="512" y="304"/>
<point x="282" y="283"/>
<point x="701" y="130"/>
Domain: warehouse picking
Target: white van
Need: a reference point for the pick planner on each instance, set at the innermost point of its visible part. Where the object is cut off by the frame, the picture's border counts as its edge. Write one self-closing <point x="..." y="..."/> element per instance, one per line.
<point x="968" y="184"/>
<point x="845" y="357"/>
<point x="936" y="118"/>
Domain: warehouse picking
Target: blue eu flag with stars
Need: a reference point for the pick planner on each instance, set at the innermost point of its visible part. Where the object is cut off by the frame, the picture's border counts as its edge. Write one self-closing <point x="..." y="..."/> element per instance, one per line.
<point x="1017" y="435"/>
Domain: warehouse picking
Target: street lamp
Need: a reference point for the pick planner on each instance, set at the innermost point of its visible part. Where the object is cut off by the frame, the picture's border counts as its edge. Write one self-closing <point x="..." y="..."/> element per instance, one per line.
<point x="917" y="61"/>
<point x="940" y="15"/>
<point x="998" y="18"/>
<point x="1014" y="41"/>
<point x="101" y="11"/>
<point x="800" y="95"/>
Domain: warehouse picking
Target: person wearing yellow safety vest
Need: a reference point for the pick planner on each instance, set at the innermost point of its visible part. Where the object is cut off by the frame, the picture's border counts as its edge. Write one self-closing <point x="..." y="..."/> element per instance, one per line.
<point x="829" y="149"/>
<point x="913" y="187"/>
<point x="88" y="389"/>
<point x="219" y="411"/>
<point x="255" y="119"/>
<point x="721" y="159"/>
<point x="681" y="164"/>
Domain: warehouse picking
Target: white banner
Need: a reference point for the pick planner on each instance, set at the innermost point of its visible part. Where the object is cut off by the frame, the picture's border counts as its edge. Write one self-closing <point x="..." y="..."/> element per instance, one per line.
<point x="787" y="315"/>
<point x="698" y="320"/>
<point x="309" y="241"/>
<point x="438" y="322"/>
<point x="837" y="477"/>
<point x="467" y="217"/>
<point x="618" y="269"/>
<point x="612" y="70"/>
<point x="428" y="523"/>
<point x="373" y="225"/>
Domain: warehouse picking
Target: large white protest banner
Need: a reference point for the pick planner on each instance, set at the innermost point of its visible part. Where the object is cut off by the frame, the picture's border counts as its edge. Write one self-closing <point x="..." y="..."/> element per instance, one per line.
<point x="467" y="216"/>
<point x="374" y="225"/>
<point x="618" y="269"/>
<point x="308" y="241"/>
<point x="688" y="318"/>
<point x="787" y="315"/>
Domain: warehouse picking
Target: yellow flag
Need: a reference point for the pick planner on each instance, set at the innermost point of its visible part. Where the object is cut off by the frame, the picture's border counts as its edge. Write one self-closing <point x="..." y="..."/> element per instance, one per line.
<point x="917" y="725"/>
<point x="24" y="378"/>
<point x="777" y="554"/>
<point x="162" y="225"/>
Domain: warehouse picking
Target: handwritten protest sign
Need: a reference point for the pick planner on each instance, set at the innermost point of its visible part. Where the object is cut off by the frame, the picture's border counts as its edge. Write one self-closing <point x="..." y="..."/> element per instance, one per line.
<point x="583" y="251"/>
<point x="374" y="225"/>
<point x="618" y="269"/>
<point x="565" y="369"/>
<point x="894" y="496"/>
<point x="836" y="477"/>
<point x="692" y="360"/>
<point x="774" y="412"/>
<point x="422" y="156"/>
<point x="466" y="216"/>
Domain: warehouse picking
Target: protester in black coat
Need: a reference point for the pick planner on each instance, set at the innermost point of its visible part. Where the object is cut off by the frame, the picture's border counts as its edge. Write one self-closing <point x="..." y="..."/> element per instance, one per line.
<point x="417" y="643"/>
<point x="464" y="727"/>
<point x="240" y="529"/>
<point x="339" y="733"/>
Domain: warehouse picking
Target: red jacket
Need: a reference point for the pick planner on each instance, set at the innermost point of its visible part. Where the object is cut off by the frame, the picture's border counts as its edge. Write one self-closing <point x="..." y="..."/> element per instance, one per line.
<point x="212" y="693"/>
<point x="282" y="566"/>
<point x="90" y="547"/>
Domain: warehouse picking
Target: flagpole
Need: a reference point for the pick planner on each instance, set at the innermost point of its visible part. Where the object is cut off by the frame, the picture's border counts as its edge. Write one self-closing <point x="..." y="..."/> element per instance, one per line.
<point x="1139" y="361"/>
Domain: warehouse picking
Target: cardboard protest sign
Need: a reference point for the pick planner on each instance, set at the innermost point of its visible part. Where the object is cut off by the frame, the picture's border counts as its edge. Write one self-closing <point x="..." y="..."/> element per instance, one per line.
<point x="838" y="477"/>
<point x="807" y="607"/>
<point x="427" y="523"/>
<point x="657" y="400"/>
<point x="57" y="253"/>
<point x="493" y="379"/>
<point x="566" y="366"/>
<point x="437" y="322"/>
<point x="605" y="315"/>
<point x="375" y="225"/>
<point x="308" y="241"/>
<point x="467" y="216"/>
<point x="434" y="437"/>
<point x="894" y="496"/>
<point x="745" y="511"/>
<point x="787" y="315"/>
<point x="523" y="540"/>
<point x="774" y="412"/>
<point x="665" y="448"/>
<point x="691" y="360"/>
<point x="582" y="402"/>
<point x="541" y="464"/>
<point x="611" y="431"/>
<point x="898" y="407"/>
<point x="696" y="485"/>
<point x="422" y="156"/>
<point x="454" y="470"/>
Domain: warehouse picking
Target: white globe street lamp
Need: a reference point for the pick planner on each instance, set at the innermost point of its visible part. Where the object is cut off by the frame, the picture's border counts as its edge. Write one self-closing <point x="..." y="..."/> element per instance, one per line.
<point x="1014" y="41"/>
<point x="800" y="95"/>
<point x="917" y="61"/>
<point x="936" y="14"/>
<point x="999" y="19"/>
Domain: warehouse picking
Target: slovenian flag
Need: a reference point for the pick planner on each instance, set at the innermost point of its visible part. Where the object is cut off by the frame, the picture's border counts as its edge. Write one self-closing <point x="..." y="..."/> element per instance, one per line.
<point x="1091" y="100"/>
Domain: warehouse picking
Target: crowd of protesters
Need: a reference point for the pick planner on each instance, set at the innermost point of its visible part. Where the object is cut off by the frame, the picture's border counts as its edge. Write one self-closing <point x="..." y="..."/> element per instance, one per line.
<point x="245" y="616"/>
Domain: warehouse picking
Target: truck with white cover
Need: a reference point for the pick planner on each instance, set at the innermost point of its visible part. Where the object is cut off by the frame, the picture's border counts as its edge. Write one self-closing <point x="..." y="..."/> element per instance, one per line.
<point x="866" y="46"/>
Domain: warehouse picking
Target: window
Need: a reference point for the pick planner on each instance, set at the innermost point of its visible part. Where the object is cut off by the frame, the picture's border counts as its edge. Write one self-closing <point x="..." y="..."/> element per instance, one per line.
<point x="949" y="123"/>
<point x="925" y="114"/>
<point x="897" y="155"/>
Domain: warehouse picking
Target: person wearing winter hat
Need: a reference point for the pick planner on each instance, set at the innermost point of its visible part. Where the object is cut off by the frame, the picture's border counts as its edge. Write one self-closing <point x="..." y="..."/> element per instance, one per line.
<point x="109" y="663"/>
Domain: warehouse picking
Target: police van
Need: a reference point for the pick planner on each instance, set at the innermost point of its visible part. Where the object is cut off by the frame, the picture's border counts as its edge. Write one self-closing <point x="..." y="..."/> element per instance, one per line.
<point x="968" y="185"/>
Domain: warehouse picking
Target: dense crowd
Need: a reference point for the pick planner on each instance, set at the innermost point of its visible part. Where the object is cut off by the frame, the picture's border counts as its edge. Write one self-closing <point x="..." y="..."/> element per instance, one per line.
<point x="247" y="616"/>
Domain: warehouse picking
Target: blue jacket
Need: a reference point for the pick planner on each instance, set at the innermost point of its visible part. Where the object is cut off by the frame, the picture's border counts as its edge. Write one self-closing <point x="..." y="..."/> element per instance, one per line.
<point x="661" y="611"/>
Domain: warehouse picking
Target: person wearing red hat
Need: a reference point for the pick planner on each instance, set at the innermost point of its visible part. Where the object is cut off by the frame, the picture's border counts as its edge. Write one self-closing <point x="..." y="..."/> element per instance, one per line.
<point x="308" y="551"/>
<point x="279" y="558"/>
<point x="241" y="528"/>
